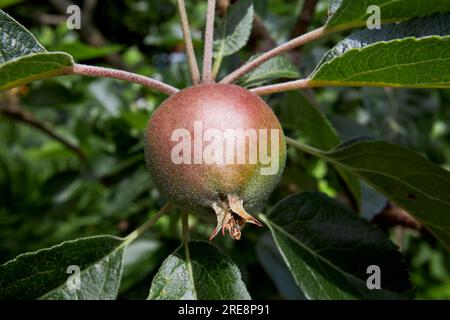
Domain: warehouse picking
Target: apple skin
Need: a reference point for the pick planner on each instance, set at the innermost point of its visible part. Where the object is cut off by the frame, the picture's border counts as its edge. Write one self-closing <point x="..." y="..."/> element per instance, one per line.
<point x="196" y="187"/>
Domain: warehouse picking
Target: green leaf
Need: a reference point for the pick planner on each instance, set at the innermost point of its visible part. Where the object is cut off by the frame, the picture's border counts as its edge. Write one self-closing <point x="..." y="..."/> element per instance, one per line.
<point x="33" y="67"/>
<point x="43" y="274"/>
<point x="207" y="274"/>
<point x="298" y="113"/>
<point x="328" y="249"/>
<point x="414" y="53"/>
<point x="235" y="29"/>
<point x="272" y="262"/>
<point x="403" y="176"/>
<point x="346" y="14"/>
<point x="81" y="51"/>
<point x="15" y="40"/>
<point x="353" y="184"/>
<point x="275" y="68"/>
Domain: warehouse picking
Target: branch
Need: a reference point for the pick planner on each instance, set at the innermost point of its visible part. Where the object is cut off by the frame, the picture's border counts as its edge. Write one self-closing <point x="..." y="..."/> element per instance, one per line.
<point x="281" y="87"/>
<point x="193" y="66"/>
<point x="261" y="34"/>
<point x="209" y="38"/>
<point x="14" y="111"/>
<point x="92" y="71"/>
<point x="305" y="18"/>
<point x="301" y="40"/>
<point x="393" y="215"/>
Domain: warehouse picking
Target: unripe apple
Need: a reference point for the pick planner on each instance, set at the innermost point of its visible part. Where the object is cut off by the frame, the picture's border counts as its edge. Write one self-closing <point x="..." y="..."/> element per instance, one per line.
<point x="215" y="149"/>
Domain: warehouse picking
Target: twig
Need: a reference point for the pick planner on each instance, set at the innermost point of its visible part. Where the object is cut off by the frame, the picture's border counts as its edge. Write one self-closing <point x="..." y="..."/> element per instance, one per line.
<point x="307" y="37"/>
<point x="192" y="60"/>
<point x="261" y="34"/>
<point x="305" y="17"/>
<point x="122" y="75"/>
<point x="14" y="111"/>
<point x="209" y="38"/>
<point x="393" y="215"/>
<point x="301" y="26"/>
<point x="281" y="87"/>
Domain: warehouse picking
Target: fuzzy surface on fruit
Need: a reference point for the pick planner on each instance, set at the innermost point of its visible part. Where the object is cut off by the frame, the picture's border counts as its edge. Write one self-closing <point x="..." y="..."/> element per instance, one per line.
<point x="218" y="151"/>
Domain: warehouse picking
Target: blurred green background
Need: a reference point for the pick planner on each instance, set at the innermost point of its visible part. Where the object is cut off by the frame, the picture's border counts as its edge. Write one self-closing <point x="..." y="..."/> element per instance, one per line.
<point x="50" y="192"/>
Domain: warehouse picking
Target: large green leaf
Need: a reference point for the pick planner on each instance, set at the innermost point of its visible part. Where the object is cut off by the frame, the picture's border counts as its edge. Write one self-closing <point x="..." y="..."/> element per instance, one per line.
<point x="235" y="29"/>
<point x="417" y="185"/>
<point x="207" y="274"/>
<point x="43" y="274"/>
<point x="298" y="113"/>
<point x="347" y="14"/>
<point x="33" y="67"/>
<point x="328" y="249"/>
<point x="276" y="68"/>
<point x="15" y="40"/>
<point x="414" y="53"/>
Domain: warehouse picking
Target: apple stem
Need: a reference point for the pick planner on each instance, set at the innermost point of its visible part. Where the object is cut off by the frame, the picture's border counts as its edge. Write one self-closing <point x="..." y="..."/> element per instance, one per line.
<point x="294" y="43"/>
<point x="281" y="87"/>
<point x="92" y="71"/>
<point x="190" y="52"/>
<point x="185" y="226"/>
<point x="209" y="38"/>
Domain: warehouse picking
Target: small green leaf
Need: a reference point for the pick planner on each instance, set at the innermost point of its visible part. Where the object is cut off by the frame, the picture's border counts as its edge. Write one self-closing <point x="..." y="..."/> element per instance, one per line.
<point x="328" y="249"/>
<point x="33" y="67"/>
<point x="276" y="68"/>
<point x="43" y="274"/>
<point x="414" y="53"/>
<point x="234" y="31"/>
<point x="208" y="274"/>
<point x="15" y="40"/>
<point x="346" y="14"/>
<point x="403" y="176"/>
